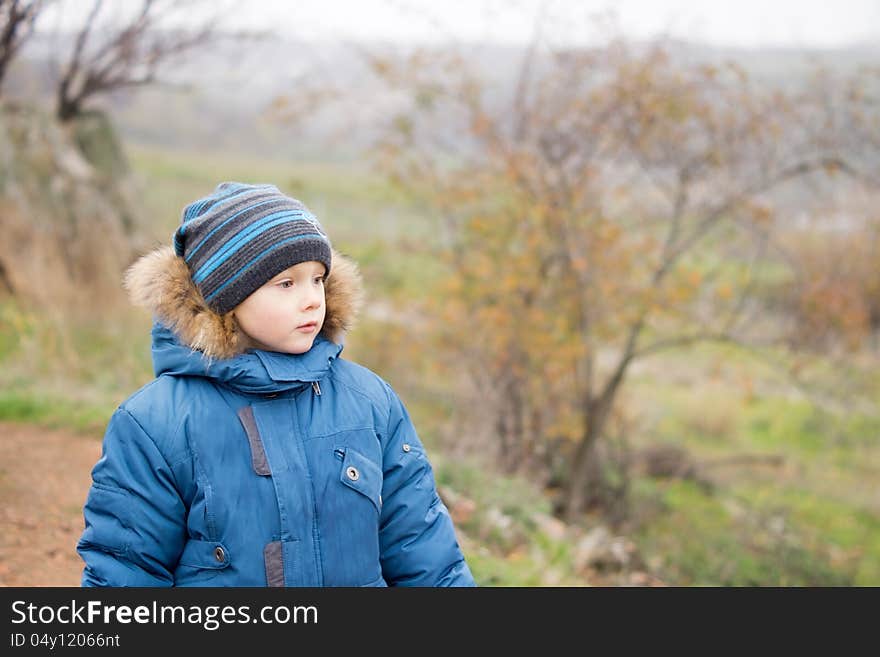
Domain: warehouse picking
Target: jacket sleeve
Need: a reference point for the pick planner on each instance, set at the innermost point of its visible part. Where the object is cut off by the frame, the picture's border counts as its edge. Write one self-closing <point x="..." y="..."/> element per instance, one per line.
<point x="416" y="534"/>
<point x="134" y="517"/>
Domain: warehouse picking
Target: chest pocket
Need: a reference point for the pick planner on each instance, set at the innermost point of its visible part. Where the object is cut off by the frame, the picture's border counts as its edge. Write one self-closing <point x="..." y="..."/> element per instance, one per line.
<point x="360" y="474"/>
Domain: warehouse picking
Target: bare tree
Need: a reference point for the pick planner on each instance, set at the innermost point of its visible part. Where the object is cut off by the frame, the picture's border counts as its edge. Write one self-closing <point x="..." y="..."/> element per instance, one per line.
<point x="16" y="26"/>
<point x="129" y="54"/>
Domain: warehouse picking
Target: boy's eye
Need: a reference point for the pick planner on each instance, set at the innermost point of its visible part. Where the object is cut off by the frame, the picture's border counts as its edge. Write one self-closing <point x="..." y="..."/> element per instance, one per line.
<point x="319" y="280"/>
<point x="286" y="284"/>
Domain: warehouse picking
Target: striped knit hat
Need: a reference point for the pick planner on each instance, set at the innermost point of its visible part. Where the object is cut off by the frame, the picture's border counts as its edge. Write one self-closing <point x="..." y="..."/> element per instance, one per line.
<point x="240" y="236"/>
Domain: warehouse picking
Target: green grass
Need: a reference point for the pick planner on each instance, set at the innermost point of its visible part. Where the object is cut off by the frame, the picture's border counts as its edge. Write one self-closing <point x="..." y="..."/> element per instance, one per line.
<point x="54" y="412"/>
<point x="814" y="520"/>
<point x="351" y="202"/>
<point x="519" y="569"/>
<point x="775" y="424"/>
<point x="68" y="355"/>
<point x="505" y="545"/>
<point x="702" y="540"/>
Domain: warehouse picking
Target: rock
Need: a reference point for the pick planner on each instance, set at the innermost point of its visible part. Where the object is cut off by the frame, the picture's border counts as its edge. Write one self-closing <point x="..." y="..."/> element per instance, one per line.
<point x="554" y="528"/>
<point x="639" y="578"/>
<point x="72" y="163"/>
<point x="498" y="519"/>
<point x="592" y="548"/>
<point x="599" y="550"/>
<point x="461" y="508"/>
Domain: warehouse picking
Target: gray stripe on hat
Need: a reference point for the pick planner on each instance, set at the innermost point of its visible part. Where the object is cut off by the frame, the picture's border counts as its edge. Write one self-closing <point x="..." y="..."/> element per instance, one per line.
<point x="197" y="227"/>
<point x="291" y="222"/>
<point x="223" y="233"/>
<point x="243" y="240"/>
<point x="247" y="251"/>
<point x="233" y="191"/>
<point x="258" y="249"/>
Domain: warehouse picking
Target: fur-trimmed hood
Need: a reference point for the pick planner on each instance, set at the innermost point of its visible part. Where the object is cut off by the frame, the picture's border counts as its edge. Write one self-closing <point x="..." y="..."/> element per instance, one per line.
<point x="160" y="282"/>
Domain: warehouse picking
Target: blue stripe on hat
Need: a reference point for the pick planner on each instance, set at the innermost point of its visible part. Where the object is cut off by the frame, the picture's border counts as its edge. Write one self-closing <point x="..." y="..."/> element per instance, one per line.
<point x="242" y="238"/>
<point x="195" y="209"/>
<point x="262" y="254"/>
<point x="236" y="191"/>
<point x="205" y="238"/>
<point x="192" y="210"/>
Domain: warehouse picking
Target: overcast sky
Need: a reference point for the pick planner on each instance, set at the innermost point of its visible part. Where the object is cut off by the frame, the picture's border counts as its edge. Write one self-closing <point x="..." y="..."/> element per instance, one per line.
<point x="790" y="23"/>
<point x="742" y="23"/>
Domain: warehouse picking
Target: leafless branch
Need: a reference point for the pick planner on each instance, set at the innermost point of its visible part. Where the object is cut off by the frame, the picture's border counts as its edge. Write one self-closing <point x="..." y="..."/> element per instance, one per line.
<point x="128" y="55"/>
<point x="17" y="19"/>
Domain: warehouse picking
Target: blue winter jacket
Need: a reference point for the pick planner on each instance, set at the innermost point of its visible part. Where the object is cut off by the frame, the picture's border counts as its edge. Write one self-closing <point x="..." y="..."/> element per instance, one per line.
<point x="265" y="469"/>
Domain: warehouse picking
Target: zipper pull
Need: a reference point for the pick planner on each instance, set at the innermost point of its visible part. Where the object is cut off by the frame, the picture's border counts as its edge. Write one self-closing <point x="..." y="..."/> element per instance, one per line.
<point x="317" y="388"/>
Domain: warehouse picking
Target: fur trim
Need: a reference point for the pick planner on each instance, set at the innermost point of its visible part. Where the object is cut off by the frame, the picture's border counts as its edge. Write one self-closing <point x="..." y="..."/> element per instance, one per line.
<point x="344" y="297"/>
<point x="160" y="281"/>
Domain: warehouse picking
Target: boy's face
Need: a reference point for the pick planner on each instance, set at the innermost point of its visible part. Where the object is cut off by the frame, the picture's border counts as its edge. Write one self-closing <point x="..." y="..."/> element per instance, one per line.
<point x="286" y="314"/>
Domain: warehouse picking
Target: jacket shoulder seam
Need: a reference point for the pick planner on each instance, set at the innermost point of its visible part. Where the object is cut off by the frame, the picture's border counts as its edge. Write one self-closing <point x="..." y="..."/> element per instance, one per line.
<point x="165" y="458"/>
<point x="341" y="380"/>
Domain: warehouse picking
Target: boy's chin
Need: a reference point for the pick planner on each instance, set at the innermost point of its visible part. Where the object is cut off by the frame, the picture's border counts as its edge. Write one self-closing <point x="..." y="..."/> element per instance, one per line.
<point x="293" y="348"/>
<point x="299" y="347"/>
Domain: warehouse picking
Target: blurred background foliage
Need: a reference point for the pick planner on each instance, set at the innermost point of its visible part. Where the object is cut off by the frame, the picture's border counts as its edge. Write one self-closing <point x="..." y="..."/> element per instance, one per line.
<point x="629" y="292"/>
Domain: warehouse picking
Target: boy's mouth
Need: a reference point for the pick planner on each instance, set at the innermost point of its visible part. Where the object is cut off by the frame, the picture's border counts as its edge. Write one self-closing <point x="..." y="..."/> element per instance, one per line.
<point x="308" y="327"/>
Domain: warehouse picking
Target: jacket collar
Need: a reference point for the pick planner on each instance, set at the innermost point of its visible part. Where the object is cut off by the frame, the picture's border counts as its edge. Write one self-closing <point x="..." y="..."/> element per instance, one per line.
<point x="255" y="371"/>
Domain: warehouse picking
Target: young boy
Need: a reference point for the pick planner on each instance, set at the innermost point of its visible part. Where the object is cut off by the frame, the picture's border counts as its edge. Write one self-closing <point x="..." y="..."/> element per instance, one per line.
<point x="258" y="456"/>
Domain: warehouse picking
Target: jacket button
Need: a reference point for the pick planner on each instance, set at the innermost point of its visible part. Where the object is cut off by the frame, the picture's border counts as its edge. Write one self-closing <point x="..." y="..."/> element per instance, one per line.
<point x="219" y="554"/>
<point x="352" y="473"/>
<point x="406" y="447"/>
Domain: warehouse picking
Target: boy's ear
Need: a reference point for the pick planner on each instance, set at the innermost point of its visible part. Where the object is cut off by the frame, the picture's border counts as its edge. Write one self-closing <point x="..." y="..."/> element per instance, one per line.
<point x="241" y="339"/>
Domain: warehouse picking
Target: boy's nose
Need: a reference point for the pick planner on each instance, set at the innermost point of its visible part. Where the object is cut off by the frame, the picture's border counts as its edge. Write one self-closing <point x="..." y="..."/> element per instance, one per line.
<point x="312" y="299"/>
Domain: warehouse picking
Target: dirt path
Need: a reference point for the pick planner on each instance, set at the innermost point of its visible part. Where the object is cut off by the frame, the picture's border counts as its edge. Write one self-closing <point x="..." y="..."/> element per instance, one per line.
<point x="44" y="478"/>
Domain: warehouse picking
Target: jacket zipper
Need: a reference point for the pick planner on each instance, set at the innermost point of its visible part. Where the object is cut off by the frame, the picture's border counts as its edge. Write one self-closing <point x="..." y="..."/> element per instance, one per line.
<point x="316" y="387"/>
